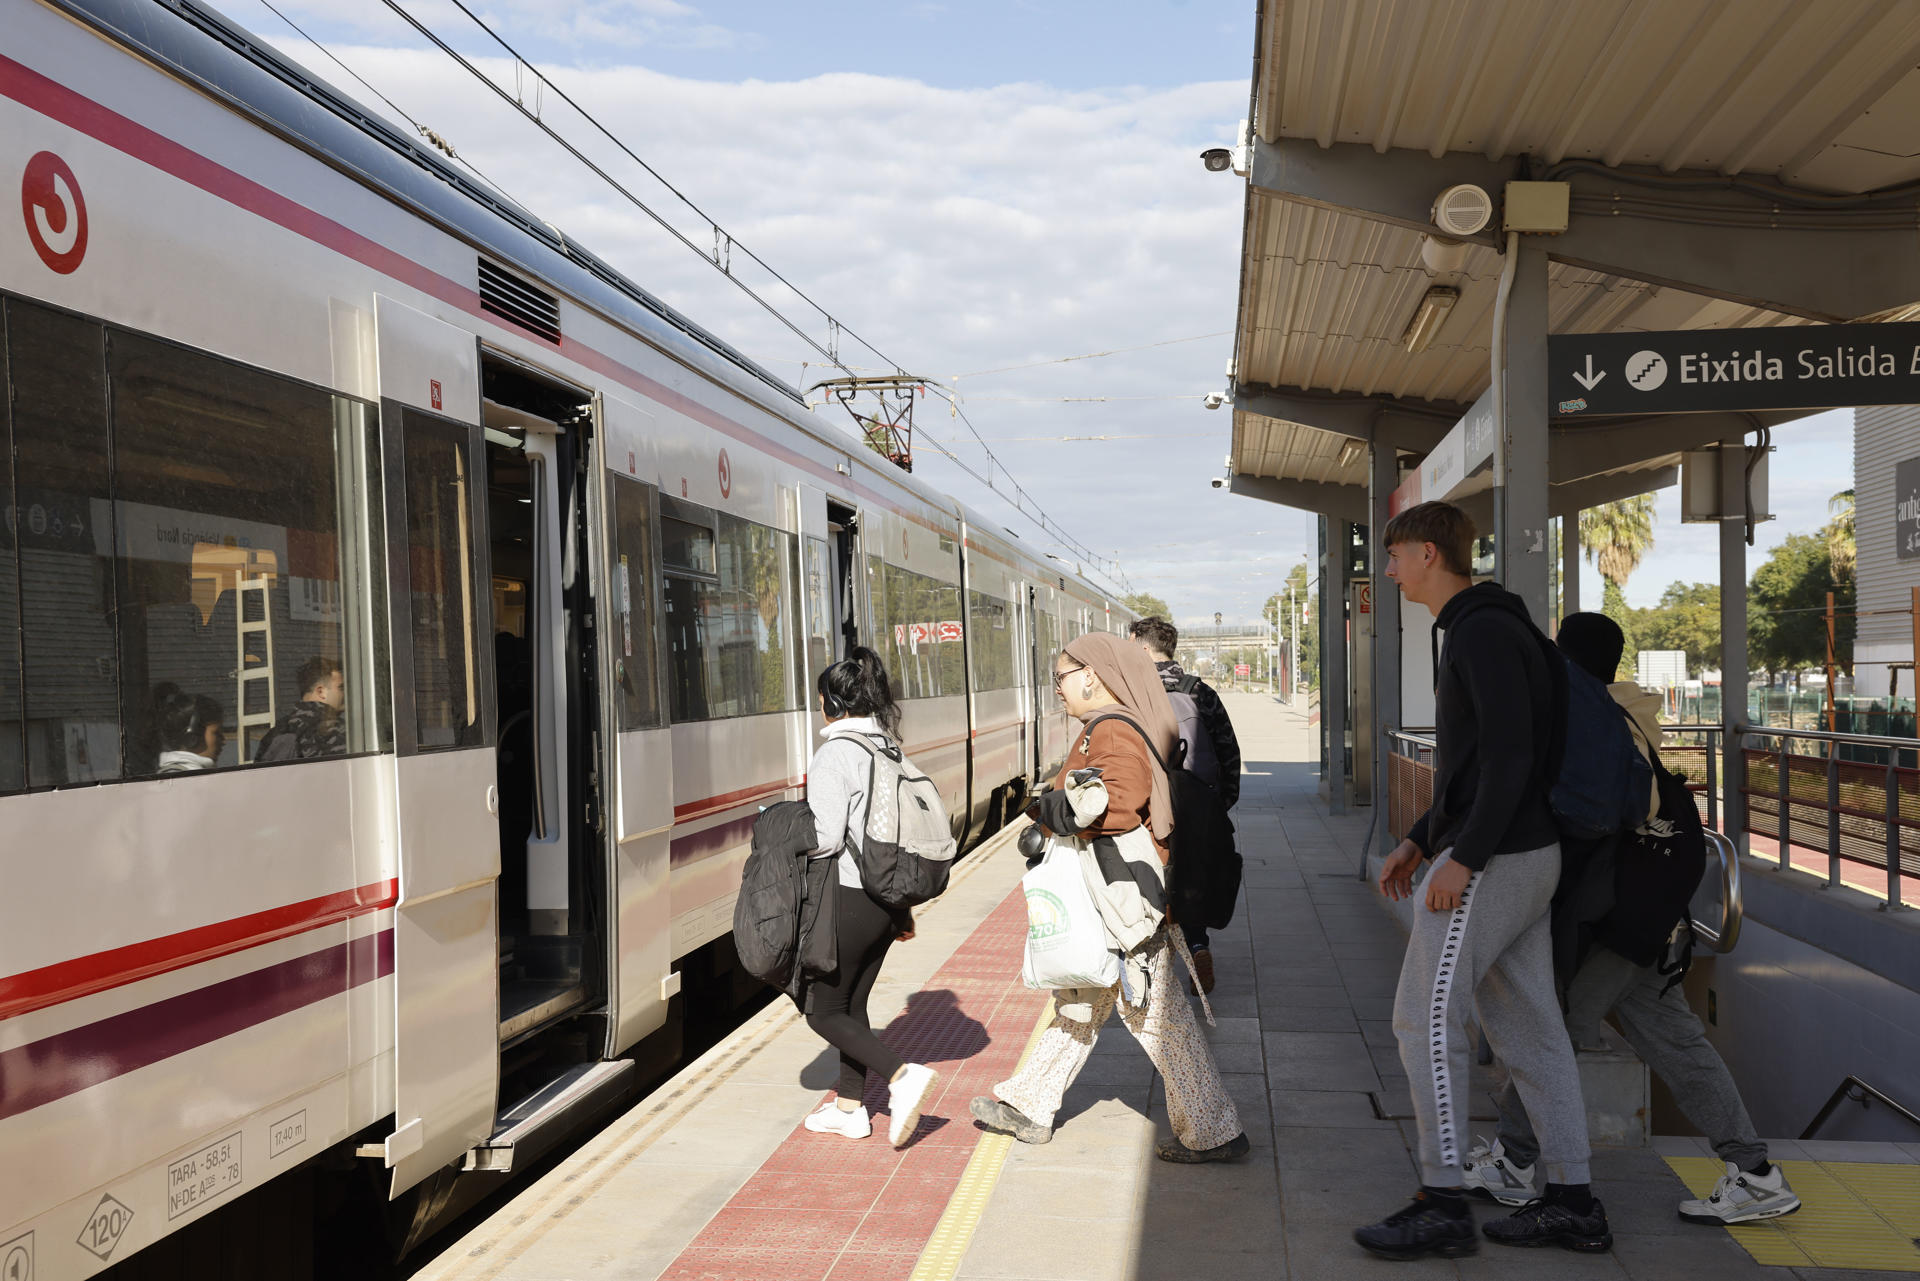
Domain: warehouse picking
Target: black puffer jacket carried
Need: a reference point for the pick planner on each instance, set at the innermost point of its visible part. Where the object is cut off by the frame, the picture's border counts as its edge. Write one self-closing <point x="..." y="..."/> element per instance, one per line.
<point x="783" y="919"/>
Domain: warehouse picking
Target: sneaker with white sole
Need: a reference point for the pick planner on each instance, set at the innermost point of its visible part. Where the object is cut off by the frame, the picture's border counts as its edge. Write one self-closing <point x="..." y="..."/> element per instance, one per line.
<point x="905" y="1097"/>
<point x="830" y="1118"/>
<point x="1489" y="1172"/>
<point x="1740" y="1197"/>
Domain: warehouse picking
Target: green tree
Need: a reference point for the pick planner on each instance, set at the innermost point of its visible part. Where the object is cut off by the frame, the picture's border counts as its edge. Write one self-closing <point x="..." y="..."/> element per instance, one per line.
<point x="1616" y="537"/>
<point x="1146" y="605"/>
<point x="1687" y="618"/>
<point x="1786" y="622"/>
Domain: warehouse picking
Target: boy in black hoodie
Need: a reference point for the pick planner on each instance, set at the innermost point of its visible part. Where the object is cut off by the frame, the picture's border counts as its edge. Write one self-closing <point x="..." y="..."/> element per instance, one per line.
<point x="1482" y="935"/>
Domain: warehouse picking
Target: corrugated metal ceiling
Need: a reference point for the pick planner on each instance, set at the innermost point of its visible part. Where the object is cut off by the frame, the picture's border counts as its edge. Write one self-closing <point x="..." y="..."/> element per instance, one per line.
<point x="1823" y="95"/>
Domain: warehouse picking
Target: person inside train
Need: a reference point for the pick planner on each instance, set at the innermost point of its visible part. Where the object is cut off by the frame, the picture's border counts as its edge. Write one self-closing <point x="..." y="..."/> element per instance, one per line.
<point x="1108" y="683"/>
<point x="856" y="698"/>
<point x="1213" y="752"/>
<point x="188" y="730"/>
<point x="1622" y="971"/>
<point x="314" y="726"/>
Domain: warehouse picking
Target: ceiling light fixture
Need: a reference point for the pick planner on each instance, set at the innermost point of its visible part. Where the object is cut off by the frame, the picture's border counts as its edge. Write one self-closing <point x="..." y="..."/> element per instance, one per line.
<point x="1350" y="451"/>
<point x="1435" y="305"/>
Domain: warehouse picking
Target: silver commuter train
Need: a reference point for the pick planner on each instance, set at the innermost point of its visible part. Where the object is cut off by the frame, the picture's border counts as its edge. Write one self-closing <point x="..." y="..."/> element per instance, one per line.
<point x="288" y="396"/>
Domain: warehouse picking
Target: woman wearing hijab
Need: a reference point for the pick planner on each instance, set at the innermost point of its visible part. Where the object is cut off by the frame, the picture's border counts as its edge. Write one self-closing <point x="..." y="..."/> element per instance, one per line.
<point x="1119" y="822"/>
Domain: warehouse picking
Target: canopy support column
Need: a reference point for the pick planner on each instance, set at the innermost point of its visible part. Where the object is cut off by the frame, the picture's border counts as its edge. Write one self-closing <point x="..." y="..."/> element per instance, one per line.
<point x="1570" y="563"/>
<point x="1520" y="443"/>
<point x="1336" y="536"/>
<point x="1733" y="641"/>
<point x="1383" y="478"/>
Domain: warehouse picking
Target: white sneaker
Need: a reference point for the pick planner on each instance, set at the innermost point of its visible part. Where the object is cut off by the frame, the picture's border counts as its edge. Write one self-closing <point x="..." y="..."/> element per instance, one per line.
<point x="905" y="1097"/>
<point x="1740" y="1197"/>
<point x="831" y="1119"/>
<point x="1490" y="1172"/>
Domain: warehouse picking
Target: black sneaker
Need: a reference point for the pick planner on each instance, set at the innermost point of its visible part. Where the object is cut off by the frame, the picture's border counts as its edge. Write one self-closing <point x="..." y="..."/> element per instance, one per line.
<point x="1540" y="1223"/>
<point x="1180" y="1154"/>
<point x="1427" y="1226"/>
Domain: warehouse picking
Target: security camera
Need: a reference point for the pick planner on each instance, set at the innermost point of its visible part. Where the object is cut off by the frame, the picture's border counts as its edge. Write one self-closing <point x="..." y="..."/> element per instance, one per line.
<point x="1217" y="159"/>
<point x="1219" y="482"/>
<point x="1214" y="400"/>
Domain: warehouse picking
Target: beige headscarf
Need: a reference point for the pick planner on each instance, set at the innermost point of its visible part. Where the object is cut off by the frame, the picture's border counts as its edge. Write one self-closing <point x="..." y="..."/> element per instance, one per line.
<point x="1129" y="675"/>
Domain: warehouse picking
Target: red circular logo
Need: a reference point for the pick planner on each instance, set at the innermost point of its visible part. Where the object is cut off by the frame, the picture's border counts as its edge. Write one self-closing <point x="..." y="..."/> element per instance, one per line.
<point x="726" y="476"/>
<point x="56" y="213"/>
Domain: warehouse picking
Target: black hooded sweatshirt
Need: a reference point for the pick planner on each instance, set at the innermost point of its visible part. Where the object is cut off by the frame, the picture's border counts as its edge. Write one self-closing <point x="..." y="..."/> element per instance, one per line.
<point x="1497" y="718"/>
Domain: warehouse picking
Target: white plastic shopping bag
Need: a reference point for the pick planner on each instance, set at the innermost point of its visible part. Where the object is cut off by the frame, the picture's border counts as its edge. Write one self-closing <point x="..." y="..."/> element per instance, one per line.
<point x="1066" y="943"/>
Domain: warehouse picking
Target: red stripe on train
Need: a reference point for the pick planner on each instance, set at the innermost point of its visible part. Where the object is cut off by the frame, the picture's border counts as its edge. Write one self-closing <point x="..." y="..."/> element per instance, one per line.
<point x="116" y="967"/>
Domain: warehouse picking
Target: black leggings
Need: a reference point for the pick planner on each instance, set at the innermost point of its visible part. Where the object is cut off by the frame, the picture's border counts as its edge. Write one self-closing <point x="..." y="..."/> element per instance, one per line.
<point x="863" y="931"/>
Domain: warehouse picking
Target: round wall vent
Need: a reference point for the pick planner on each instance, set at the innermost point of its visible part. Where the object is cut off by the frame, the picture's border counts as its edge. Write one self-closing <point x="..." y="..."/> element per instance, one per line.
<point x="1462" y="210"/>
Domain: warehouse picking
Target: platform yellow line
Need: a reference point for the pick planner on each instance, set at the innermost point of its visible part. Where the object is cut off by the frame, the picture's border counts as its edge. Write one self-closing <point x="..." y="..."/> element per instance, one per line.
<point x="940" y="1260"/>
<point x="1852" y="1215"/>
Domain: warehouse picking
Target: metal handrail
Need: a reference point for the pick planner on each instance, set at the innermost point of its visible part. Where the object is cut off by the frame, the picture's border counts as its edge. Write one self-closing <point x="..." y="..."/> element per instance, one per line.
<point x="1722" y="937"/>
<point x="1845" y="1091"/>
<point x="1829" y="736"/>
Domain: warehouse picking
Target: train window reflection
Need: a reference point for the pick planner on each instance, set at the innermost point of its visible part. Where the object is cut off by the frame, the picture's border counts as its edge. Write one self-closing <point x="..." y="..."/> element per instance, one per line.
<point x="728" y="635"/>
<point x="193" y="594"/>
<point x="440" y="580"/>
<point x="995" y="641"/>
<point x="919" y="631"/>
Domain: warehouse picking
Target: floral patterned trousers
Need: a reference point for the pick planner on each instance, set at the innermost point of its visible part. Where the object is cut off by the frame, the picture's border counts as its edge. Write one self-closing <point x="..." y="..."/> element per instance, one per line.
<point x="1202" y="1114"/>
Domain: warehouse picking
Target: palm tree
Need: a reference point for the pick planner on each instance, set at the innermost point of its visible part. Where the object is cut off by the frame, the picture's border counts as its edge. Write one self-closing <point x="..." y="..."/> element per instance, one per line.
<point x="1616" y="537"/>
<point x="1840" y="547"/>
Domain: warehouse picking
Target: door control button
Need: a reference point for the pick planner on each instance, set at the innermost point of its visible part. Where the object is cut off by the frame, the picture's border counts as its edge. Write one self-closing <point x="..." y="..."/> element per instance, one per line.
<point x="493" y="800"/>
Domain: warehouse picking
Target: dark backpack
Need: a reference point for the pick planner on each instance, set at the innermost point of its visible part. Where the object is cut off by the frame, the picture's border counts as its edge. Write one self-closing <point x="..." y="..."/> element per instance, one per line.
<point x="1656" y="871"/>
<point x="782" y="892"/>
<point x="1203" y="866"/>
<point x="1602" y="782"/>
<point x="1200" y="757"/>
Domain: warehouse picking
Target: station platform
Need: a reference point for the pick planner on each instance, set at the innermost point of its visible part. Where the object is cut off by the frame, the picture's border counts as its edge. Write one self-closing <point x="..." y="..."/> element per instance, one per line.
<point x="713" y="1178"/>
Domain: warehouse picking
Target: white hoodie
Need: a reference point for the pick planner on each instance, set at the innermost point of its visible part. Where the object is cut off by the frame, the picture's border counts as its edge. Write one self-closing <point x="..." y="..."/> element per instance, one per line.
<point x="837" y="790"/>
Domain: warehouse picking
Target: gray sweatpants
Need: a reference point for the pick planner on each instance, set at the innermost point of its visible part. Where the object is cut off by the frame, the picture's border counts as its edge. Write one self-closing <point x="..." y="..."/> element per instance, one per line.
<point x="1495" y="952"/>
<point x="1668" y="1036"/>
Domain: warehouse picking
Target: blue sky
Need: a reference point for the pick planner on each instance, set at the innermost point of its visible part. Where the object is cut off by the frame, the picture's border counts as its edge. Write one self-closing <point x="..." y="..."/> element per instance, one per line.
<point x="971" y="187"/>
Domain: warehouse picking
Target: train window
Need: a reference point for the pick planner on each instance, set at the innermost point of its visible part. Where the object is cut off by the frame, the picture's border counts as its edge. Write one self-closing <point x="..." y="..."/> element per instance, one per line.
<point x="187" y="567"/>
<point x="230" y="533"/>
<point x="995" y="642"/>
<point x="728" y="631"/>
<point x="636" y="685"/>
<point x="440" y="568"/>
<point x="919" y="631"/>
<point x="69" y="661"/>
<point x="1046" y="644"/>
<point x="13" y="725"/>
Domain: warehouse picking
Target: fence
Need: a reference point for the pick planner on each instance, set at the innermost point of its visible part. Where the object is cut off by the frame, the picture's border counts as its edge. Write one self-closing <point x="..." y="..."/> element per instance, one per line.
<point x="1853" y="797"/>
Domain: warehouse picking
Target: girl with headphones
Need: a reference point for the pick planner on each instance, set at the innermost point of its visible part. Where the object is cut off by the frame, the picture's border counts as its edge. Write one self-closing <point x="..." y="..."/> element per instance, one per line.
<point x="857" y="699"/>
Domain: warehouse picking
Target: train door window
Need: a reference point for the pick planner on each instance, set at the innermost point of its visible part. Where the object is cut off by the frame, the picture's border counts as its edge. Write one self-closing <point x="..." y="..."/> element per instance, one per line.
<point x="995" y="642"/>
<point x="687" y="559"/>
<point x="441" y="562"/>
<point x="634" y="599"/>
<point x="843" y="530"/>
<point x="817" y="573"/>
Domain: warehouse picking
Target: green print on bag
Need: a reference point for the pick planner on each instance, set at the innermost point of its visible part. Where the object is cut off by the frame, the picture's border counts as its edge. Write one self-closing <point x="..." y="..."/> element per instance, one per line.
<point x="1046" y="919"/>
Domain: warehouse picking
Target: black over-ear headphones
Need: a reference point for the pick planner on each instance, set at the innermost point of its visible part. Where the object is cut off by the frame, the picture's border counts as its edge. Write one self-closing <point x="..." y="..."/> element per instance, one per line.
<point x="832" y="706"/>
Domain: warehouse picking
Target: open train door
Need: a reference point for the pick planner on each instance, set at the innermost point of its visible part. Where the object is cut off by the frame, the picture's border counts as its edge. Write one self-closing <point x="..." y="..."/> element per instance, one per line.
<point x="446" y="1052"/>
<point x="640" y="746"/>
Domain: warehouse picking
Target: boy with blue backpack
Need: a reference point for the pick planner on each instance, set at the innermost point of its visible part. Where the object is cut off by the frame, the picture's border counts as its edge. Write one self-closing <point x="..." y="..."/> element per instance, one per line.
<point x="1482" y="937"/>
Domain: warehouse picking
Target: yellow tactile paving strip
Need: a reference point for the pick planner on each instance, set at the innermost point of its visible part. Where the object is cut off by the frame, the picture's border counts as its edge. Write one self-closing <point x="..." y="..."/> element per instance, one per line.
<point x="940" y="1260"/>
<point x="1852" y="1215"/>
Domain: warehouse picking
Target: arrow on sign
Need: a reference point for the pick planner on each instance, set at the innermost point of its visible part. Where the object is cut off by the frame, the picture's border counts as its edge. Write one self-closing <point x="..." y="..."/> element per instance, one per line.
<point x="1589" y="380"/>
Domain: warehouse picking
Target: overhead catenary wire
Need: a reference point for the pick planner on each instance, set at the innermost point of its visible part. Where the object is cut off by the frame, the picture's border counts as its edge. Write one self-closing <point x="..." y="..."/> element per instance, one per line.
<point x="1022" y="502"/>
<point x="1092" y="355"/>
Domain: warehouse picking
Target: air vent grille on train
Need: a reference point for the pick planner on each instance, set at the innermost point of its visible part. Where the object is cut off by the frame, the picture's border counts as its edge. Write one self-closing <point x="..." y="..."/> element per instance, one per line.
<point x="512" y="298"/>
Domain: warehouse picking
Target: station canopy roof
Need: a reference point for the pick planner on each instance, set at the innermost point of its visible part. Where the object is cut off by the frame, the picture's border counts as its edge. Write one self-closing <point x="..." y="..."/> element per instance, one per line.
<point x="1688" y="125"/>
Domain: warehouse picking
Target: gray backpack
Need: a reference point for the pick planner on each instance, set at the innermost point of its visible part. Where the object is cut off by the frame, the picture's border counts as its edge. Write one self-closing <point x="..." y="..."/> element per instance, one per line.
<point x="1200" y="758"/>
<point x="907" y="850"/>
